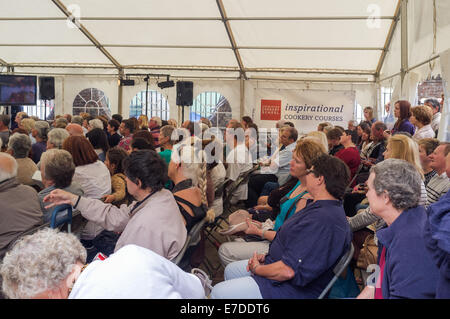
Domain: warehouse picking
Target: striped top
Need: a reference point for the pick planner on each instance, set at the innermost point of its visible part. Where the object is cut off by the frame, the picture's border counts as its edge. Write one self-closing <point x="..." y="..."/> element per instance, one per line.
<point x="437" y="186"/>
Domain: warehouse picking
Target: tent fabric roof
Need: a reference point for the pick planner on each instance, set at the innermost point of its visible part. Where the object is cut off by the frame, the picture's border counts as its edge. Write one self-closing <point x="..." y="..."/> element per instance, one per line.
<point x="250" y="36"/>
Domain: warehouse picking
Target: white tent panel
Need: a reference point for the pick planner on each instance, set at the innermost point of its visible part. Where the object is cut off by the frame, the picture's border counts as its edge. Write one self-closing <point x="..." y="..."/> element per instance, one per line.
<point x="186" y="57"/>
<point x="333" y="33"/>
<point x="357" y="60"/>
<point x="420" y="31"/>
<point x="392" y="62"/>
<point x="147" y="8"/>
<point x="29" y="9"/>
<point x="206" y="33"/>
<point x="40" y="32"/>
<point x="310" y="77"/>
<point x="443" y="25"/>
<point x="308" y="8"/>
<point x="53" y="55"/>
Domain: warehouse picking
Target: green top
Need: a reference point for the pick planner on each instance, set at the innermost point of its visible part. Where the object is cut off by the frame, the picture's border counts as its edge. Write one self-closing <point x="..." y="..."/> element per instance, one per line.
<point x="166" y="155"/>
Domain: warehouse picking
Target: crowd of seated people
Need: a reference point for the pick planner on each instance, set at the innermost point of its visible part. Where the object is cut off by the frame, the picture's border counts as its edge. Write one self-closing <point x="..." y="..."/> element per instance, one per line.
<point x="143" y="184"/>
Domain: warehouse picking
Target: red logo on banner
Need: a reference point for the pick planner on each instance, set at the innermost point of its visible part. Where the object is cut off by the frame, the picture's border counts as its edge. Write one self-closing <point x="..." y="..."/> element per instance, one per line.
<point x="271" y="110"/>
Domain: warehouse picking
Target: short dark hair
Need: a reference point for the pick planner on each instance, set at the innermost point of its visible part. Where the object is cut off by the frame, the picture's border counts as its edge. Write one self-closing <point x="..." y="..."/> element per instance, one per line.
<point x="141" y="144"/>
<point x="334" y="134"/>
<point x="129" y="124"/>
<point x="435" y="103"/>
<point x="289" y="124"/>
<point x="117" y="117"/>
<point x="114" y="124"/>
<point x="146" y="135"/>
<point x="98" y="139"/>
<point x="247" y="119"/>
<point x="335" y="172"/>
<point x="148" y="167"/>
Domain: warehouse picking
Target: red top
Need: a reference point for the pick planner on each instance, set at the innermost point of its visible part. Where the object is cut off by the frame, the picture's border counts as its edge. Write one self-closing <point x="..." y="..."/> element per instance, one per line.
<point x="350" y="156"/>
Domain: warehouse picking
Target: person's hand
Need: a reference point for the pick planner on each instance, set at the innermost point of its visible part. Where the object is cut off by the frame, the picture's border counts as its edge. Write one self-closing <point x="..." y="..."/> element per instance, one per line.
<point x="262" y="207"/>
<point x="59" y="197"/>
<point x="387" y="134"/>
<point x="108" y="198"/>
<point x="252" y="228"/>
<point x="253" y="263"/>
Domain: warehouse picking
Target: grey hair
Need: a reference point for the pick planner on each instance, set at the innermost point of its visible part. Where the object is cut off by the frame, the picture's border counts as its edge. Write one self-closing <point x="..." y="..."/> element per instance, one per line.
<point x="58" y="166"/>
<point x="40" y="262"/>
<point x="20" y="144"/>
<point x="167" y="131"/>
<point x="77" y="119"/>
<point x="42" y="128"/>
<point x="400" y="179"/>
<point x="8" y="171"/>
<point x="96" y="123"/>
<point x="5" y="118"/>
<point x="57" y="136"/>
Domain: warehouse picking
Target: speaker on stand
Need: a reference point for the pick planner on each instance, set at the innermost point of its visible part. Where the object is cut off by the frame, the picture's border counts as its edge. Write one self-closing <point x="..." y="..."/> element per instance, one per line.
<point x="46" y="91"/>
<point x="185" y="90"/>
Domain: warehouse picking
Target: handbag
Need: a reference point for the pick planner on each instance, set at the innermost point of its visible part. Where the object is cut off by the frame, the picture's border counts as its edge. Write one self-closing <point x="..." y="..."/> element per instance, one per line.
<point x="368" y="254"/>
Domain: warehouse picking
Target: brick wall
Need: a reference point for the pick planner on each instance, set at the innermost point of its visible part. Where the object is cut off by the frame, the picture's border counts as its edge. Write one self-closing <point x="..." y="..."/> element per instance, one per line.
<point x="432" y="88"/>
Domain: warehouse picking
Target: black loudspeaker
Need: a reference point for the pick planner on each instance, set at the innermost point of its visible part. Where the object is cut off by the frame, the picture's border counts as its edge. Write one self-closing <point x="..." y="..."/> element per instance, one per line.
<point x="46" y="88"/>
<point x="185" y="93"/>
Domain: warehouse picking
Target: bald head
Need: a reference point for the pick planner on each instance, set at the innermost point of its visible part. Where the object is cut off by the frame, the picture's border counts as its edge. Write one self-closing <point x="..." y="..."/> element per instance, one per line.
<point x="74" y="129"/>
<point x="8" y="167"/>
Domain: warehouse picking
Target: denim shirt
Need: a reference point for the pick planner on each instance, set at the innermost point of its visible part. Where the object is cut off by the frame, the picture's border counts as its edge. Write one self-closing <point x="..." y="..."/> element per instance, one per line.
<point x="409" y="271"/>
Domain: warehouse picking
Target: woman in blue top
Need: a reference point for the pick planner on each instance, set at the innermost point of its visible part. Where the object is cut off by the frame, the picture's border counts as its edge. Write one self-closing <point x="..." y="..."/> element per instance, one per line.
<point x="306" y="248"/>
<point x="305" y="152"/>
<point x="402" y="111"/>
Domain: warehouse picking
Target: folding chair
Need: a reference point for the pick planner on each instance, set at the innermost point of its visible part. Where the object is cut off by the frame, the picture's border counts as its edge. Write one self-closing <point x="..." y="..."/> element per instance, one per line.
<point x="339" y="269"/>
<point x="192" y="239"/>
<point x="58" y="218"/>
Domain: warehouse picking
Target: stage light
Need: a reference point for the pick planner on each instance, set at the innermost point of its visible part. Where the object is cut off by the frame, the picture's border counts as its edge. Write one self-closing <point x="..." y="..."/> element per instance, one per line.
<point x="126" y="82"/>
<point x="166" y="84"/>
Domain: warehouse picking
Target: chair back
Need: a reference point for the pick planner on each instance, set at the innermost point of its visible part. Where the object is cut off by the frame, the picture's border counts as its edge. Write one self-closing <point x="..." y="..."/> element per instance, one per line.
<point x="339" y="269"/>
<point x="192" y="239"/>
<point x="58" y="217"/>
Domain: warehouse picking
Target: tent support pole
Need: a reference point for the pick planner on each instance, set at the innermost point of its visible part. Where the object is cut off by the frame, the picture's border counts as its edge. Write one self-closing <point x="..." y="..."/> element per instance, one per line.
<point x="242" y="97"/>
<point x="120" y="94"/>
<point x="404" y="42"/>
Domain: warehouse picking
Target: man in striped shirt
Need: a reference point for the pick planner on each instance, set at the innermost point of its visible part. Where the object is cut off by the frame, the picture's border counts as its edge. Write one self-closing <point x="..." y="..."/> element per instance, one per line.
<point x="439" y="184"/>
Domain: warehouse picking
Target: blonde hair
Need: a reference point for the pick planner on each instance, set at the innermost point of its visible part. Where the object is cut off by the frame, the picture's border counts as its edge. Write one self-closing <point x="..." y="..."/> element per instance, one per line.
<point x="405" y="148"/>
<point x="27" y="124"/>
<point x="143" y="121"/>
<point x="192" y="158"/>
<point x="320" y="136"/>
<point x="309" y="149"/>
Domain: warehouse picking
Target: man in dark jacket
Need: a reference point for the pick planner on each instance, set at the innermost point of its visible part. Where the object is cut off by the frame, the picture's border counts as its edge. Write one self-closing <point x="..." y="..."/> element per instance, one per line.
<point x="20" y="204"/>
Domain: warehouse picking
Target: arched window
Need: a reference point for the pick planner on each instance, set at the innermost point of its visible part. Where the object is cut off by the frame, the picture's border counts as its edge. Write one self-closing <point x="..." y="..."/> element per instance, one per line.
<point x="157" y="105"/>
<point x="92" y="101"/>
<point x="212" y="105"/>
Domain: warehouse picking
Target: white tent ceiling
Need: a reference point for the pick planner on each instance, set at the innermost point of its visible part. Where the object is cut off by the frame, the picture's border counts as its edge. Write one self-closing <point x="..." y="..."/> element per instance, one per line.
<point x="247" y="37"/>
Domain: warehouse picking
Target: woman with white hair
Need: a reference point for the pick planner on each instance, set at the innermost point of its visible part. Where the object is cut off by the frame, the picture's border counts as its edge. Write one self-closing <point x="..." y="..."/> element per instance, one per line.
<point x="19" y="147"/>
<point x="51" y="265"/>
<point x="406" y="267"/>
<point x="56" y="138"/>
<point x="95" y="123"/>
<point x="187" y="170"/>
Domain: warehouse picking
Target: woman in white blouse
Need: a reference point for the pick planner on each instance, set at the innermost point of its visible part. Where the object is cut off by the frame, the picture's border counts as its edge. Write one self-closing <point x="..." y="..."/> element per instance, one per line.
<point x="91" y="174"/>
<point x="421" y="117"/>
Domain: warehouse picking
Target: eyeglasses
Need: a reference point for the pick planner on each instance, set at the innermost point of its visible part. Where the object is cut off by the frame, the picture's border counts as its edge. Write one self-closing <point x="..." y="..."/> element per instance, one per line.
<point x="309" y="171"/>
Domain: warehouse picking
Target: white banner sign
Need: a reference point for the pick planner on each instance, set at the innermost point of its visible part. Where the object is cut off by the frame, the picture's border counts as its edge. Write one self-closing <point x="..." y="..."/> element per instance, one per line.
<point x="305" y="108"/>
